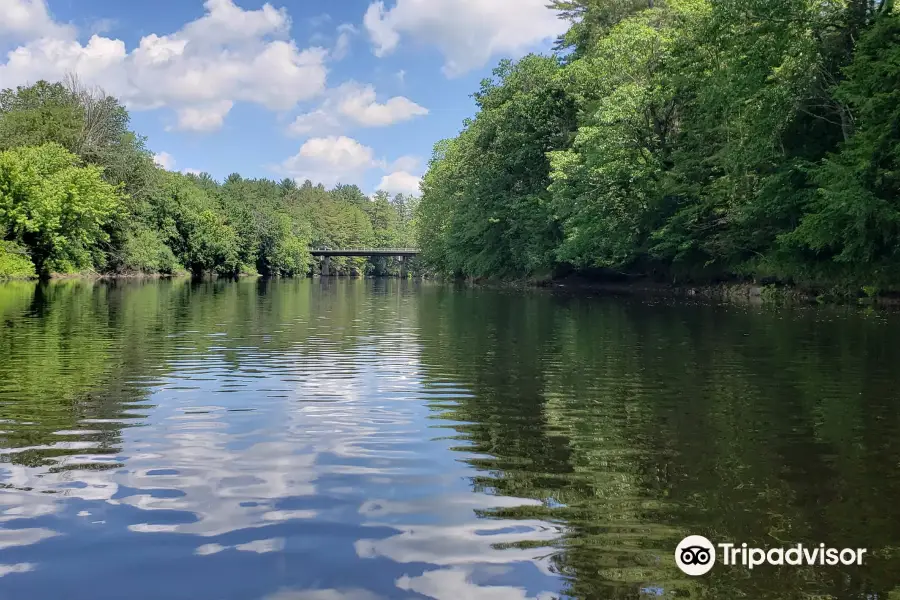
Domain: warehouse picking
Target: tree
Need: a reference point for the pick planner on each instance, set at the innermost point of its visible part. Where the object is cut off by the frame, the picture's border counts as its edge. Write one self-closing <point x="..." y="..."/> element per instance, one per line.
<point x="193" y="227"/>
<point x="39" y="114"/>
<point x="55" y="207"/>
<point x="687" y="139"/>
<point x="606" y="185"/>
<point x="854" y="220"/>
<point x="489" y="187"/>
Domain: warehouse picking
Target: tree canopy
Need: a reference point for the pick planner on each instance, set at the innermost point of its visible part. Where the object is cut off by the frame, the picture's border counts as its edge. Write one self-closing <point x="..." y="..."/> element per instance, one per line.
<point x="79" y="191"/>
<point x="684" y="139"/>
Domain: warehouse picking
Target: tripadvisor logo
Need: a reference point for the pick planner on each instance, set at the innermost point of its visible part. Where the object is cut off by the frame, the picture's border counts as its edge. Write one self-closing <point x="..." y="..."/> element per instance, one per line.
<point x="696" y="555"/>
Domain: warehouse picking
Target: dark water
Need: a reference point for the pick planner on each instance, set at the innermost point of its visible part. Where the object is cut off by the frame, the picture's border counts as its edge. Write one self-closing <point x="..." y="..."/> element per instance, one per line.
<point x="366" y="440"/>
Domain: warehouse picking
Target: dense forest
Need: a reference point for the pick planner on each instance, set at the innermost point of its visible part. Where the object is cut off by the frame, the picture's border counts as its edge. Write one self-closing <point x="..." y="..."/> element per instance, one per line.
<point x="80" y="193"/>
<point x="685" y="140"/>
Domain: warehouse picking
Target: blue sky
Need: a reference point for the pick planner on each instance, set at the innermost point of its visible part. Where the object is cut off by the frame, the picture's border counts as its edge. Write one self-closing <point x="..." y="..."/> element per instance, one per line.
<point x="341" y="90"/>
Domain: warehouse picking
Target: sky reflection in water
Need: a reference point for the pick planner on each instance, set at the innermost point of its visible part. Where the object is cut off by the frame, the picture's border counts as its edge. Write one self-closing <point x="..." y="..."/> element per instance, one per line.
<point x="300" y="440"/>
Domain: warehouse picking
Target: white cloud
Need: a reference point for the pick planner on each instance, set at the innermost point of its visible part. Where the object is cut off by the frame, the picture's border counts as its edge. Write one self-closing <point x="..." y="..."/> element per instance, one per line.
<point x="104" y="25"/>
<point x="192" y="171"/>
<point x="165" y="160"/>
<point x="329" y="160"/>
<point x="16" y="568"/>
<point x="319" y="20"/>
<point x="340" y="159"/>
<point x="406" y="163"/>
<point x="342" y="45"/>
<point x="228" y="55"/>
<point x="450" y="584"/>
<point x="316" y="122"/>
<point x="400" y="182"/>
<point x="338" y="151"/>
<point x="28" y="19"/>
<point x="226" y="22"/>
<point x="353" y="104"/>
<point x="330" y="594"/>
<point x="359" y="104"/>
<point x="203" y="118"/>
<point x="382" y="33"/>
<point x="469" y="33"/>
<point x="400" y="177"/>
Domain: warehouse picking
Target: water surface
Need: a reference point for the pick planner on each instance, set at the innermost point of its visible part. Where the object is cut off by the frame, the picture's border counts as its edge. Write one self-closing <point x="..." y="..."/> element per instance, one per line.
<point x="363" y="440"/>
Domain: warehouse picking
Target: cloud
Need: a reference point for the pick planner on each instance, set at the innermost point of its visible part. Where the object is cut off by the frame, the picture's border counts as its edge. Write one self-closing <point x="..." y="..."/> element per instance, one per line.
<point x="165" y="160"/>
<point x="400" y="176"/>
<point x="16" y="568"/>
<point x="406" y="163"/>
<point x="192" y="171"/>
<point x="450" y="584"/>
<point x="226" y="22"/>
<point x="353" y="104"/>
<point x="338" y="151"/>
<point x="342" y="45"/>
<point x="228" y="55"/>
<point x="340" y="159"/>
<point x="100" y="26"/>
<point x="28" y="19"/>
<point x="203" y="118"/>
<point x="313" y="123"/>
<point x="359" y="104"/>
<point x="400" y="182"/>
<point x="461" y="544"/>
<point x="319" y="20"/>
<point x="469" y="33"/>
<point x="329" y="160"/>
<point x="330" y="594"/>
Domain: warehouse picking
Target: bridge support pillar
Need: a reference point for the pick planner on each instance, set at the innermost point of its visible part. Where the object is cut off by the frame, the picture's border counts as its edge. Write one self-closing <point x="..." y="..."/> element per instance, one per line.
<point x="404" y="269"/>
<point x="326" y="266"/>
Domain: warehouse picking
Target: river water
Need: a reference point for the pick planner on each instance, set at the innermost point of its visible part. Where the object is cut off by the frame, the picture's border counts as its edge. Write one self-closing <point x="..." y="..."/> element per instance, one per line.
<point x="364" y="440"/>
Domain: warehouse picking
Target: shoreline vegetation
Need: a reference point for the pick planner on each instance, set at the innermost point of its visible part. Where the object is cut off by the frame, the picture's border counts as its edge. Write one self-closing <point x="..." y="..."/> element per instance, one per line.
<point x="706" y="145"/>
<point x="80" y="194"/>
<point x="733" y="292"/>
<point x="683" y="145"/>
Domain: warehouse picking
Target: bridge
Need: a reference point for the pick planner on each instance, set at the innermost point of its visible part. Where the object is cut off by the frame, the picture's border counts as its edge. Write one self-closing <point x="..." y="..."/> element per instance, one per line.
<point x="367" y="252"/>
<point x="325" y="254"/>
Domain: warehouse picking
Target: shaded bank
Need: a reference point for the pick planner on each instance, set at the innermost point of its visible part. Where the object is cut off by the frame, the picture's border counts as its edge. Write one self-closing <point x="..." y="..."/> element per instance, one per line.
<point x="755" y="294"/>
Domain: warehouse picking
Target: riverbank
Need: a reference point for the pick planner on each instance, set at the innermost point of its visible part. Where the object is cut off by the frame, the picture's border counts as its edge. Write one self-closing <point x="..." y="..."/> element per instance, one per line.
<point x="749" y="293"/>
<point x="754" y="294"/>
<point x="94" y="276"/>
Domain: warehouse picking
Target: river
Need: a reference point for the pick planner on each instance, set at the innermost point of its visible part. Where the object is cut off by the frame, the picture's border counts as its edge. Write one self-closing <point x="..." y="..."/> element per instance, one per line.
<point x="365" y="440"/>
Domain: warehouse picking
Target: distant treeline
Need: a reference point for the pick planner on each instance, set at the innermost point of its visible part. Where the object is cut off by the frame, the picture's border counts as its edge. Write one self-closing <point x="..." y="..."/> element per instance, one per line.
<point x="80" y="192"/>
<point x="684" y="139"/>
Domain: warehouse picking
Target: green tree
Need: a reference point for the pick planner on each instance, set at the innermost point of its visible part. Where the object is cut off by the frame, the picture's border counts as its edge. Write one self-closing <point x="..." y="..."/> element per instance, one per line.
<point x="39" y="114"/>
<point x="686" y="139"/>
<point x="490" y="185"/>
<point x="606" y="186"/>
<point x="192" y="225"/>
<point x="15" y="262"/>
<point x="854" y="221"/>
<point x="55" y="207"/>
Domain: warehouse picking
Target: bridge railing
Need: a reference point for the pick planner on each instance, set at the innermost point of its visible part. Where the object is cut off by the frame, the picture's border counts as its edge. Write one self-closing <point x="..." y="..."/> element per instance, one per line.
<point x="367" y="250"/>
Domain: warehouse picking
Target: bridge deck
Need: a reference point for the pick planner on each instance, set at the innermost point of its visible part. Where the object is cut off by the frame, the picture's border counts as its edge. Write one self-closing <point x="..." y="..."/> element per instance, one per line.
<point x="365" y="252"/>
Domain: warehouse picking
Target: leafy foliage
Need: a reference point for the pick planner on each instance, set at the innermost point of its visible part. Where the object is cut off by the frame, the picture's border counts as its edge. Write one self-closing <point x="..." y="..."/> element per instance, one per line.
<point x="684" y="138"/>
<point x="855" y="217"/>
<point x="79" y="191"/>
<point x="488" y="207"/>
<point x="15" y="263"/>
<point x="55" y="207"/>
